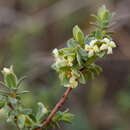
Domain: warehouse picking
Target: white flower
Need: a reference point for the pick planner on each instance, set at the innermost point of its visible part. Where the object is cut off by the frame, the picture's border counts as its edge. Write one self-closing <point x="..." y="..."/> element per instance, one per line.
<point x="112" y="44"/>
<point x="107" y="45"/>
<point x="106" y="40"/>
<point x="103" y="47"/>
<point x="6" y="70"/>
<point x="90" y="53"/>
<point x="70" y="60"/>
<point x="72" y="82"/>
<point x="93" y="42"/>
<point x="55" y="52"/>
<point x="109" y="51"/>
<point x="95" y="48"/>
<point x="92" y="49"/>
<point x="60" y="60"/>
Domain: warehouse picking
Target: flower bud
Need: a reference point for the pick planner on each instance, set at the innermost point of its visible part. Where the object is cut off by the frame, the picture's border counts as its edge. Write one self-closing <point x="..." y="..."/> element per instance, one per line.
<point x="10" y="78"/>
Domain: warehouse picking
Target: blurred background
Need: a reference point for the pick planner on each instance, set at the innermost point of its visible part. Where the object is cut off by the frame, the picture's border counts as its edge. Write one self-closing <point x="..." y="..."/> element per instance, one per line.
<point x="31" y="29"/>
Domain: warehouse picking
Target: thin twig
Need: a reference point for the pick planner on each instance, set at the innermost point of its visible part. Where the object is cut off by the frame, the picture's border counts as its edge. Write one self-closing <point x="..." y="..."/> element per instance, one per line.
<point x="56" y="108"/>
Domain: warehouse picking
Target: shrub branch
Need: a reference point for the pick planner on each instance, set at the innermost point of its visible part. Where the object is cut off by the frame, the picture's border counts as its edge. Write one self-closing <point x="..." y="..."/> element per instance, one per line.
<point x="56" y="108"/>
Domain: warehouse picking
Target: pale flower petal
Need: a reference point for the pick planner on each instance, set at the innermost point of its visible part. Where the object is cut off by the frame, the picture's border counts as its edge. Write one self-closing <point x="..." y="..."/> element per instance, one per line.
<point x="75" y="84"/>
<point x="60" y="61"/>
<point x="103" y="47"/>
<point x="6" y="70"/>
<point x="96" y="49"/>
<point x="112" y="44"/>
<point x="109" y="50"/>
<point x="106" y="40"/>
<point x="67" y="85"/>
<point x="87" y="47"/>
<point x="93" y="42"/>
<point x="90" y="53"/>
<point x="43" y="108"/>
<point x="70" y="58"/>
<point x="72" y="82"/>
<point x="55" y="52"/>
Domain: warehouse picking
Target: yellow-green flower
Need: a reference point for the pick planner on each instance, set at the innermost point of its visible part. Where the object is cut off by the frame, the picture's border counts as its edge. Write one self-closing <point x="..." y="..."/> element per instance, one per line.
<point x="91" y="49"/>
<point x="72" y="82"/>
<point x="60" y="60"/>
<point x="107" y="45"/>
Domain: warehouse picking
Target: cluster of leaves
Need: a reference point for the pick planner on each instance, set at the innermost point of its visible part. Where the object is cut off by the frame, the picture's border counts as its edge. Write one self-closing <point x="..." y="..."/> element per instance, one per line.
<point x="60" y="117"/>
<point x="17" y="113"/>
<point x="75" y="63"/>
<point x="103" y="19"/>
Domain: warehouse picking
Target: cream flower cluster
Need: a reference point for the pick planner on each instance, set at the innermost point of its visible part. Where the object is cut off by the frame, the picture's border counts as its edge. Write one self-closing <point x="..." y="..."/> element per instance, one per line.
<point x="94" y="48"/>
<point x="98" y="46"/>
<point x="60" y="60"/>
<point x="73" y="82"/>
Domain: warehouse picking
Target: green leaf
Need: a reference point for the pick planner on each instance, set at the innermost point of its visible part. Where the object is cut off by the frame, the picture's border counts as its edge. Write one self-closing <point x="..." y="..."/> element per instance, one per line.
<point x="2" y="104"/>
<point x="58" y="116"/>
<point x="91" y="60"/>
<point x="94" y="16"/>
<point x="78" y="35"/>
<point x="79" y="59"/>
<point x="10" y="117"/>
<point x="64" y="68"/>
<point x="101" y="54"/>
<point x="83" y="53"/>
<point x="71" y="43"/>
<point x="28" y="122"/>
<point x="21" y="121"/>
<point x="98" y="34"/>
<point x="3" y="101"/>
<point x="103" y="13"/>
<point x="4" y="93"/>
<point x="20" y="80"/>
<point x="36" y="125"/>
<point x="76" y="71"/>
<point x="3" y="84"/>
<point x="23" y="92"/>
<point x="67" y="117"/>
<point x="88" y="75"/>
<point x="67" y="51"/>
<point x="11" y="80"/>
<point x="63" y="78"/>
<point x="98" y="69"/>
<point x="82" y="79"/>
<point x="88" y="39"/>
